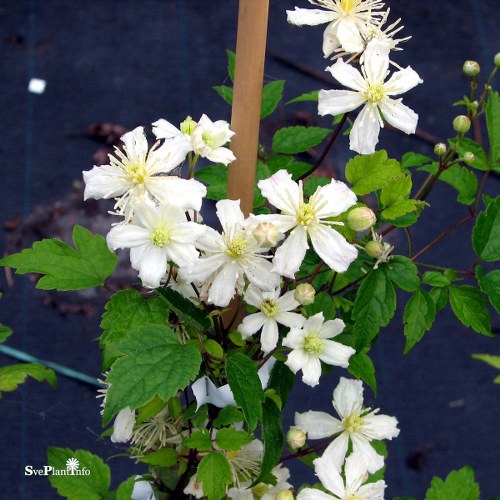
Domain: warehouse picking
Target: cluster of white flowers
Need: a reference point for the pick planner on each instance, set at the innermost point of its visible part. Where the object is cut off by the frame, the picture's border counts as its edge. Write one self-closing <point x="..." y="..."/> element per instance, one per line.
<point x="356" y="28"/>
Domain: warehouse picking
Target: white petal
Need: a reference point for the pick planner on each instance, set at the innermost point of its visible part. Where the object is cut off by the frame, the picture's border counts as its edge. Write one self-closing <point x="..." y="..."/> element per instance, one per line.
<point x="186" y="194"/>
<point x="206" y="267"/>
<point x="337" y="450"/>
<point x="355" y="472"/>
<point x="152" y="266"/>
<point x="287" y="302"/>
<point x="291" y="253"/>
<point x="309" y="17"/>
<point x="184" y="255"/>
<point x="142" y="490"/>
<point x="402" y="81"/>
<point x="223" y="287"/>
<point x="330" y="40"/>
<point x="348" y="397"/>
<point x="314" y="323"/>
<point x="317" y="424"/>
<point x="380" y="427"/>
<point x="264" y="372"/>
<point x="281" y="191"/>
<point x="399" y="116"/>
<point x="364" y="132"/>
<point x="311" y="371"/>
<point x="269" y="335"/>
<point x="229" y="214"/>
<point x="127" y="236"/>
<point x="135" y="144"/>
<point x="349" y="36"/>
<point x="348" y="76"/>
<point x="163" y="129"/>
<point x="251" y="324"/>
<point x="294" y="339"/>
<point x="187" y="232"/>
<point x="136" y="255"/>
<point x="372" y="491"/>
<point x="372" y="459"/>
<point x="283" y="222"/>
<point x="312" y="494"/>
<point x="333" y="199"/>
<point x="329" y="475"/>
<point x="376" y="67"/>
<point x="336" y="102"/>
<point x="332" y="247"/>
<point x="221" y="155"/>
<point x="253" y="296"/>
<point x="105" y="182"/>
<point x="331" y="328"/>
<point x="296" y="360"/>
<point x="336" y="354"/>
<point x="123" y="426"/>
<point x="258" y="271"/>
<point x="292" y="320"/>
<point x="168" y="156"/>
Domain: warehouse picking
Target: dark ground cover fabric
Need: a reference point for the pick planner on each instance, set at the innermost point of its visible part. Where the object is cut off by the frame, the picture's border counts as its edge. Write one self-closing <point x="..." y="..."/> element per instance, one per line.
<point x="130" y="62"/>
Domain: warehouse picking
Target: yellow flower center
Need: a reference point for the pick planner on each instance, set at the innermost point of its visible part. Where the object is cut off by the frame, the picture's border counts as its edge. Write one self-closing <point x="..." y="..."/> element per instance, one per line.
<point x="313" y="344"/>
<point x="306" y="214"/>
<point x="269" y="307"/>
<point x="375" y="93"/>
<point x="136" y="172"/>
<point x="353" y="423"/>
<point x="232" y="454"/>
<point x="237" y="246"/>
<point x="259" y="491"/>
<point x="160" y="237"/>
<point x="188" y="125"/>
<point x="208" y="139"/>
<point x="348" y="6"/>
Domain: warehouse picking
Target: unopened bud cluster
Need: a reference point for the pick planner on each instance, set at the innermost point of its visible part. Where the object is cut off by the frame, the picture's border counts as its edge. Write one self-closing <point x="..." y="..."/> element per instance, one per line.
<point x="361" y="219"/>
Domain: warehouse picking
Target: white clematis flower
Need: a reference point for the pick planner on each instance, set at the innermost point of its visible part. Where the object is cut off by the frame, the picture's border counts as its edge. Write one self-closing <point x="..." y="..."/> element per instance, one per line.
<point x="142" y="490"/>
<point x="230" y="257"/>
<point x="352" y="488"/>
<point x="262" y="491"/>
<point x="139" y="173"/>
<point x="370" y="90"/>
<point x="123" y="426"/>
<point x="347" y="20"/>
<point x="357" y="424"/>
<point x="305" y="219"/>
<point x="156" y="235"/>
<point x="273" y="309"/>
<point x="310" y="345"/>
<point x="208" y="139"/>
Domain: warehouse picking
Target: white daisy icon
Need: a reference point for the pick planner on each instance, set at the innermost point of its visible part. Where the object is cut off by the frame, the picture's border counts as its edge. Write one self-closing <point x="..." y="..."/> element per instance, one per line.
<point x="72" y="464"/>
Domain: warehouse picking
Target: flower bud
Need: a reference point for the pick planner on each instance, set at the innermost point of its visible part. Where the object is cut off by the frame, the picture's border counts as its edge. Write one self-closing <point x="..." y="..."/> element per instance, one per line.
<point x="375" y="249"/>
<point x="471" y="68"/>
<point x="361" y="218"/>
<point x="497" y="60"/>
<point x="266" y="234"/>
<point x="284" y="495"/>
<point x="304" y="294"/>
<point x="188" y="125"/>
<point x="469" y="158"/>
<point x="461" y="124"/>
<point x="440" y="149"/>
<point x="296" y="438"/>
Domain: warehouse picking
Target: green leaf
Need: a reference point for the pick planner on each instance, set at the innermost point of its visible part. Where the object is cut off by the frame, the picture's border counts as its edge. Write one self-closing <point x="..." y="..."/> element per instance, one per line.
<point x="11" y="376"/>
<point x="192" y="318"/>
<point x="272" y="435"/>
<point x="124" y="491"/>
<point x="458" y="485"/>
<point x="481" y="161"/>
<point x="149" y="410"/>
<point x="230" y="439"/>
<point x="215" y="176"/>
<point x="292" y="140"/>
<point x="433" y="278"/>
<point x="493" y="124"/>
<point x="262" y="172"/>
<point x="489" y="359"/>
<point x="368" y="173"/>
<point x="125" y="311"/>
<point x="154" y="363"/>
<point x="64" y="267"/>
<point x="271" y="96"/>
<point x="93" y="486"/>
<point x="440" y="297"/>
<point x="246" y="387"/>
<point x="464" y="181"/>
<point x="227" y="416"/>
<point x="361" y="366"/>
<point x="225" y="92"/>
<point x="400" y="208"/>
<point x="486" y="233"/>
<point x="323" y="302"/>
<point x="313" y="183"/>
<point x="374" y="306"/>
<point x="199" y="440"/>
<point x="419" y="315"/>
<point x="214" y="473"/>
<point x="309" y="96"/>
<point x="403" y="273"/>
<point x="5" y="333"/>
<point x="471" y="308"/>
<point x="414" y="160"/>
<point x="395" y="189"/>
<point x="165" y="457"/>
<point x="281" y="380"/>
<point x="490" y="285"/>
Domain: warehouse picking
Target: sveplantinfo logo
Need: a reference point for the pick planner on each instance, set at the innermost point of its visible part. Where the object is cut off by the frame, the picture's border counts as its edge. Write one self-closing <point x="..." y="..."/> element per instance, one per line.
<point x="72" y="469"/>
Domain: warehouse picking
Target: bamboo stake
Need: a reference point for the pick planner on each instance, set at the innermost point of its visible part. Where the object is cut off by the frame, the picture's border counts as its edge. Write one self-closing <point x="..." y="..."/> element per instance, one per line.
<point x="248" y="80"/>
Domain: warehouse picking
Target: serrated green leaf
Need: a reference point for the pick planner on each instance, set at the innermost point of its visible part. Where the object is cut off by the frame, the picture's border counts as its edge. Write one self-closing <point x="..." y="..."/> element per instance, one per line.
<point x="154" y="363"/>
<point x="374" y="306"/>
<point x="271" y="96"/>
<point x="486" y="233"/>
<point x="490" y="359"/>
<point x="361" y="366"/>
<point x="64" y="267"/>
<point x="94" y="486"/>
<point x="5" y="333"/>
<point x="414" y="160"/>
<point x="281" y="380"/>
<point x="400" y="208"/>
<point x="403" y="273"/>
<point x="230" y="439"/>
<point x="165" y="457"/>
<point x="225" y="92"/>
<point x="214" y="473"/>
<point x="293" y="140"/>
<point x="11" y="376"/>
<point x="481" y="161"/>
<point x="440" y="297"/>
<point x="419" y="315"/>
<point x="246" y="387"/>
<point x="493" y="124"/>
<point x="309" y="96"/>
<point x="124" y="491"/>
<point x="395" y="188"/>
<point x="368" y="173"/>
<point x="458" y="485"/>
<point x="464" y="181"/>
<point x="199" y="440"/>
<point x="215" y="177"/>
<point x="433" y="278"/>
<point x="471" y="308"/>
<point x="227" y="416"/>
<point x="272" y="436"/>
<point x="490" y="285"/>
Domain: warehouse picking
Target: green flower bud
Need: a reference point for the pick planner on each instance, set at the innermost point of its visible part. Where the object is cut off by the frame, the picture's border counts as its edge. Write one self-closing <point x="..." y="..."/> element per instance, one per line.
<point x="375" y="249"/>
<point x="440" y="149"/>
<point x="284" y="495"/>
<point x="461" y="124"/>
<point x="266" y="234"/>
<point x="469" y="157"/>
<point x="304" y="294"/>
<point x="361" y="218"/>
<point x="296" y="438"/>
<point x="497" y="59"/>
<point x="471" y="68"/>
<point x="188" y="125"/>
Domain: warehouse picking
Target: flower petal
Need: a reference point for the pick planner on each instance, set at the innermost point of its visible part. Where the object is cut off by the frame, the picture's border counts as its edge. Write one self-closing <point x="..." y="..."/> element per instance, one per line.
<point x="348" y="397"/>
<point x="364" y="133"/>
<point x="372" y="459"/>
<point x="163" y="129"/>
<point x="281" y="191"/>
<point x="187" y="194"/>
<point x="380" y="427"/>
<point x="311" y="371"/>
<point x="337" y="450"/>
<point x="332" y="200"/>
<point x="105" y="182"/>
<point x="309" y="17"/>
<point x="330" y="40"/>
<point x="221" y="155"/>
<point x="349" y="36"/>
<point x="355" y="471"/>
<point x="377" y="65"/>
<point x="336" y="354"/>
<point x="291" y="253"/>
<point x="259" y="272"/>
<point x="348" y="76"/>
<point x="312" y="494"/>
<point x="336" y="102"/>
<point x="127" y="236"/>
<point x="317" y="424"/>
<point x="402" y="81"/>
<point x="399" y="116"/>
<point x="152" y="266"/>
<point x="329" y="475"/>
<point x="229" y="214"/>
<point x="251" y="324"/>
<point x="269" y="336"/>
<point x="331" y="328"/>
<point x="292" y="320"/>
<point x="287" y="302"/>
<point x="223" y="286"/>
